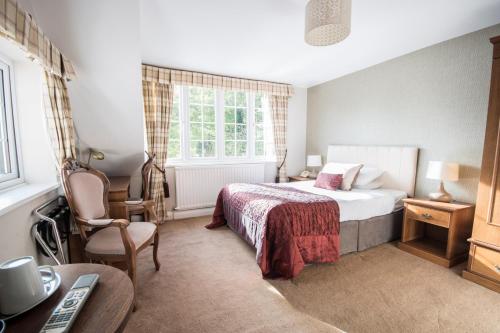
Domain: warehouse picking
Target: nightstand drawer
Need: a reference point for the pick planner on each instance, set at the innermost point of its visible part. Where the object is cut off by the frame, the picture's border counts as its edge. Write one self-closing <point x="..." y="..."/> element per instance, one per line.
<point x="486" y="262"/>
<point x="429" y="215"/>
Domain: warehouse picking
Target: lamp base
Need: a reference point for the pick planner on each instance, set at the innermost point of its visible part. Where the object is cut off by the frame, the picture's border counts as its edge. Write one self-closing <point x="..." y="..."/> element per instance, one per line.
<point x="441" y="195"/>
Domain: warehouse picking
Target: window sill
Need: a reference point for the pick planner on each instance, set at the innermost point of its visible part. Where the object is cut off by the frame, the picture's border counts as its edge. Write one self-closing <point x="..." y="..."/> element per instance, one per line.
<point x="15" y="197"/>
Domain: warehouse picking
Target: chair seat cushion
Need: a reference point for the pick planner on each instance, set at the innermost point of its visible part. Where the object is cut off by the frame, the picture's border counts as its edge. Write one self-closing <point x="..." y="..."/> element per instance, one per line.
<point x="109" y="240"/>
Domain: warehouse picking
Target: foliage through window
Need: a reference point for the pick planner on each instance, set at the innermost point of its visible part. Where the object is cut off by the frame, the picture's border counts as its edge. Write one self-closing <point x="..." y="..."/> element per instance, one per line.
<point x="202" y="133"/>
<point x="218" y="125"/>
<point x="235" y="124"/>
<point x="174" y="134"/>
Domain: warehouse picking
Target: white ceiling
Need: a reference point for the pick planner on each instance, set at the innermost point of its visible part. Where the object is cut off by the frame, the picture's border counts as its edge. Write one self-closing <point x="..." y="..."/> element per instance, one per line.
<point x="264" y="39"/>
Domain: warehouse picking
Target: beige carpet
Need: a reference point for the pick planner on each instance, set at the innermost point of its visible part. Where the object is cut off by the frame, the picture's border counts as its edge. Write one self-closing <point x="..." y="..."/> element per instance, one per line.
<point x="209" y="282"/>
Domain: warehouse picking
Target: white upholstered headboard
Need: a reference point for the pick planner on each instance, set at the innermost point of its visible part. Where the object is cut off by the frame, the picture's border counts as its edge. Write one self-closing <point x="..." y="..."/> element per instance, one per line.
<point x="399" y="163"/>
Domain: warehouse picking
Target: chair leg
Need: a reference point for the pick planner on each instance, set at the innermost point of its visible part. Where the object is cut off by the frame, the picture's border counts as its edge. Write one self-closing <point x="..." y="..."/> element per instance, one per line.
<point x="155" y="250"/>
<point x="132" y="274"/>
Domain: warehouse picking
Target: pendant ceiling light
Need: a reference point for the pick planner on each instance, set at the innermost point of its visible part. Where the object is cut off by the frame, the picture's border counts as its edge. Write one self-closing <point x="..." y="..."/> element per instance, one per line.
<point x="327" y="21"/>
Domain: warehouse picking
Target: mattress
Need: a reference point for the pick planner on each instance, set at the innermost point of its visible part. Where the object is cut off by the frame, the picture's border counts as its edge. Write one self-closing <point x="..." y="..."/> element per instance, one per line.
<point x="358" y="204"/>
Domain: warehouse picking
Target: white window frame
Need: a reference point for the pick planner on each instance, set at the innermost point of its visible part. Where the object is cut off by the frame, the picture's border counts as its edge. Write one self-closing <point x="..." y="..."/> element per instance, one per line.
<point x="16" y="176"/>
<point x="219" y="157"/>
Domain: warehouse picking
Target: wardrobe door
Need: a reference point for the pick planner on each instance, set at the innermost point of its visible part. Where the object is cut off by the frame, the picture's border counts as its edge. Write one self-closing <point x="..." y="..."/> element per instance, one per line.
<point x="487" y="217"/>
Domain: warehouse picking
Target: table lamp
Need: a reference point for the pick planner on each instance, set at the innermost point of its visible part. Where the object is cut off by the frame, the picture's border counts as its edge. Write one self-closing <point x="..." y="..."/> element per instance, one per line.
<point x="313" y="161"/>
<point x="442" y="171"/>
<point x="95" y="154"/>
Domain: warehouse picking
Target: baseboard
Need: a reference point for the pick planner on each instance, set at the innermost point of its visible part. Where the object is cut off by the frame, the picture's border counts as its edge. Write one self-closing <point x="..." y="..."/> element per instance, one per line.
<point x="186" y="214"/>
<point x="485" y="282"/>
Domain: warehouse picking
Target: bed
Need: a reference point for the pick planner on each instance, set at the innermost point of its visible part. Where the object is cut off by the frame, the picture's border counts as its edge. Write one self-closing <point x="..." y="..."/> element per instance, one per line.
<point x="295" y="224"/>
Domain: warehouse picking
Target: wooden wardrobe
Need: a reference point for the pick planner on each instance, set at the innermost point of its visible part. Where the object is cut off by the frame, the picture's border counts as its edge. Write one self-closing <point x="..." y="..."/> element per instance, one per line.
<point x="484" y="254"/>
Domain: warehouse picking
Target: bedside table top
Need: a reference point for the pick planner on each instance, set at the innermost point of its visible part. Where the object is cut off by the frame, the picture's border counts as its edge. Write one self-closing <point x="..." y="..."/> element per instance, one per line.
<point x="450" y="207"/>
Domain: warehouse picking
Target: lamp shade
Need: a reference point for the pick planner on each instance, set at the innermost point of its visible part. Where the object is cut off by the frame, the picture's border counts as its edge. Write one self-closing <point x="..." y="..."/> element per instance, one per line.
<point x="314" y="160"/>
<point x="327" y="21"/>
<point x="443" y="171"/>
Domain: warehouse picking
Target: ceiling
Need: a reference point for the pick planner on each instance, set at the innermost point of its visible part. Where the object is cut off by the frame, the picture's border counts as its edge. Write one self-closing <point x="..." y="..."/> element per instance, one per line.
<point x="264" y="39"/>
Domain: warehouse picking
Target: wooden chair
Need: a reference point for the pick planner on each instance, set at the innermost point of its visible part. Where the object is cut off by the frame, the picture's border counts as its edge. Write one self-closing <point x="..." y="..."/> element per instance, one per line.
<point x="106" y="240"/>
<point x="146" y="170"/>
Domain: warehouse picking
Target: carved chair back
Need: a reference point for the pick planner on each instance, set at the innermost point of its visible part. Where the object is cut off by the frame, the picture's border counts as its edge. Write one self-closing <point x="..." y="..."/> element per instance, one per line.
<point x="86" y="190"/>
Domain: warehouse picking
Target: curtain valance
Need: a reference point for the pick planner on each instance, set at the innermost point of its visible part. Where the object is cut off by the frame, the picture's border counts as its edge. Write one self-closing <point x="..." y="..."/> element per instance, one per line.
<point x="18" y="26"/>
<point x="181" y="77"/>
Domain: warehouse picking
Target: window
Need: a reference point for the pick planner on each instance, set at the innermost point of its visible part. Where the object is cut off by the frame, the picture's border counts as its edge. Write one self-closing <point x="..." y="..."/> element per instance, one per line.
<point x="202" y="133"/>
<point x="264" y="140"/>
<point x="235" y="124"/>
<point x="174" y="134"/>
<point x="216" y="125"/>
<point x="9" y="170"/>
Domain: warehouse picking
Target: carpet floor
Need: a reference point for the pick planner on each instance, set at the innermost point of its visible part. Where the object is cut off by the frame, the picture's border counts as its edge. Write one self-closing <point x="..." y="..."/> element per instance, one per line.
<point x="209" y="282"/>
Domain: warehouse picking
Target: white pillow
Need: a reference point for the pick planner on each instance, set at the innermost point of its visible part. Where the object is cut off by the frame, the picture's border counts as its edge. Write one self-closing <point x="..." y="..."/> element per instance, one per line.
<point x="367" y="175"/>
<point x="377" y="183"/>
<point x="348" y="171"/>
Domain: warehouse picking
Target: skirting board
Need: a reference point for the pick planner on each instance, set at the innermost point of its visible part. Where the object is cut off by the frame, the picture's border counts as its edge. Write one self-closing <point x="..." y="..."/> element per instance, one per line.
<point x="186" y="214"/>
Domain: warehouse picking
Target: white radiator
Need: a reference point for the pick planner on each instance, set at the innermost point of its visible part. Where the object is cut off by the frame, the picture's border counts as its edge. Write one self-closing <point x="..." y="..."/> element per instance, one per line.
<point x="198" y="186"/>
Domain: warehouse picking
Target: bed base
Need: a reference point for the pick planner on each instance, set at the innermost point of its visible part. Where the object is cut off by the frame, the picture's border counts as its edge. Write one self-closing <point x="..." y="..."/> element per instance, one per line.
<point x="360" y="235"/>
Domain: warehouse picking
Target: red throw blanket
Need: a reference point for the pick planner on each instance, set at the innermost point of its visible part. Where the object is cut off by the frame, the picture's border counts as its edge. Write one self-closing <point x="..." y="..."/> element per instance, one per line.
<point x="288" y="227"/>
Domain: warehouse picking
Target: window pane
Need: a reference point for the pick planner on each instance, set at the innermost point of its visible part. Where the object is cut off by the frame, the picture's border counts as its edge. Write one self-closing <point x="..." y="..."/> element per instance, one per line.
<point x="259" y="132"/>
<point x="241" y="99"/>
<point x="195" y="113"/>
<point x="229" y="98"/>
<point x="229" y="148"/>
<point x="208" y="96"/>
<point x="196" y="149"/>
<point x="241" y="116"/>
<point x="208" y="131"/>
<point x="209" y="148"/>
<point x="175" y="113"/>
<point x="229" y="132"/>
<point x="209" y="114"/>
<point x="229" y="115"/>
<point x="241" y="148"/>
<point x="174" y="131"/>
<point x="241" y="132"/>
<point x="202" y="114"/>
<point x="195" y="95"/>
<point x="259" y="117"/>
<point x="258" y="100"/>
<point x="259" y="148"/>
<point x="174" y="149"/>
<point x="195" y="131"/>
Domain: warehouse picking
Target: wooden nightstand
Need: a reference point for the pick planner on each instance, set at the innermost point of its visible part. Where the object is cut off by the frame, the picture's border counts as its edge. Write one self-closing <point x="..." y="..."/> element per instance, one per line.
<point x="437" y="231"/>
<point x="299" y="178"/>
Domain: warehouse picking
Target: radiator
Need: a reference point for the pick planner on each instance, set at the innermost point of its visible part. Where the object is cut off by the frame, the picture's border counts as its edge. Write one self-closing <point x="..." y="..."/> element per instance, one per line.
<point x="198" y="186"/>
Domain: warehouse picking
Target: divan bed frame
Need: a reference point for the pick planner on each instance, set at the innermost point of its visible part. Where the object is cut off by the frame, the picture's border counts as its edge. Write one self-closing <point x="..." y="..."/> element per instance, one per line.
<point x="400" y="166"/>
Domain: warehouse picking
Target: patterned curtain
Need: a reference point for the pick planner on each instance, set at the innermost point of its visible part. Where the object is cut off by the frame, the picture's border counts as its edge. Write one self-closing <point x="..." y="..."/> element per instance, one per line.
<point x="279" y="110"/>
<point x="187" y="78"/>
<point x="158" y="104"/>
<point x="19" y="26"/>
<point x="58" y="116"/>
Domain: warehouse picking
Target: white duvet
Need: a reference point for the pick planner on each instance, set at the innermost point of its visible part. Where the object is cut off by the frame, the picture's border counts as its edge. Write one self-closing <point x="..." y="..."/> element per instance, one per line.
<point x="358" y="204"/>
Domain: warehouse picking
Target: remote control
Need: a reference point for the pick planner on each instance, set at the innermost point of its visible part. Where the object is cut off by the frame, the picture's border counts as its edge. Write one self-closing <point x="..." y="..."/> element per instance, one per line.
<point x="66" y="311"/>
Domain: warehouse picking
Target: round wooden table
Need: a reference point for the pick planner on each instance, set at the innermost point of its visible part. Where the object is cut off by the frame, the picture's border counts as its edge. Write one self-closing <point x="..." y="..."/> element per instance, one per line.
<point x="107" y="309"/>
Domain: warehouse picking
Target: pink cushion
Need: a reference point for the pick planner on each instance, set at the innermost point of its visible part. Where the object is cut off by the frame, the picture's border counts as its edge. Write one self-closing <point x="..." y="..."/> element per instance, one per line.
<point x="328" y="181"/>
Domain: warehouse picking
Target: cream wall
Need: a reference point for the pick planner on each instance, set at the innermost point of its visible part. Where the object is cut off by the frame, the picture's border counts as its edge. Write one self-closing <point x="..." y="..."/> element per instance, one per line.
<point x="15" y="226"/>
<point x="435" y="99"/>
<point x="102" y="39"/>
